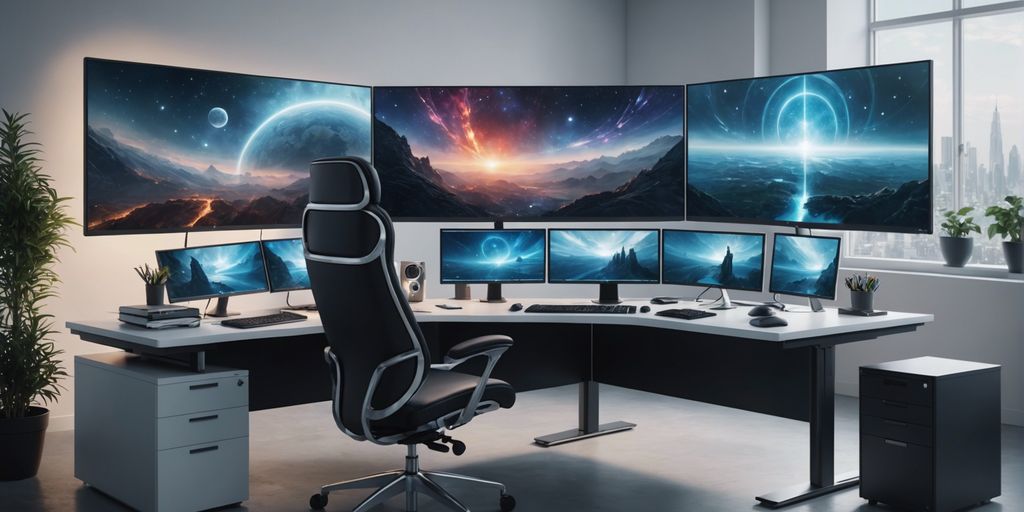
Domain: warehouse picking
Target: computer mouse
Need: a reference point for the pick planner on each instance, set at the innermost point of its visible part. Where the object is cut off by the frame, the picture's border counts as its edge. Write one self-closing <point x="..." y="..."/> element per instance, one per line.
<point x="761" y="310"/>
<point x="768" y="321"/>
<point x="516" y="307"/>
<point x="645" y="309"/>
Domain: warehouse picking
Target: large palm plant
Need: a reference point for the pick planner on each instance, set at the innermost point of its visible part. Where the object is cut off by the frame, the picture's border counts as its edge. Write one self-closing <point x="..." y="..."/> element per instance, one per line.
<point x="32" y="229"/>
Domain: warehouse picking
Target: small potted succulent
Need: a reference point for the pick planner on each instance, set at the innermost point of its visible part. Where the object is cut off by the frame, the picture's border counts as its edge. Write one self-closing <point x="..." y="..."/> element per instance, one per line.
<point x="1008" y="224"/>
<point x="957" y="244"/>
<point x="156" y="283"/>
<point x="862" y="291"/>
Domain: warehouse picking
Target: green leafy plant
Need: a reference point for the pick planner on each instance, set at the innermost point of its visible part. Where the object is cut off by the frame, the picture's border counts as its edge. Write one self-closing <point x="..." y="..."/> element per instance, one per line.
<point x="958" y="224"/>
<point x="32" y="225"/>
<point x="1008" y="219"/>
<point x="863" y="283"/>
<point x="152" y="275"/>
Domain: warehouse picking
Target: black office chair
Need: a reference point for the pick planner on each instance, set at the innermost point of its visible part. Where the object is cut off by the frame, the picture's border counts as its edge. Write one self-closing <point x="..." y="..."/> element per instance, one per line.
<point x="385" y="389"/>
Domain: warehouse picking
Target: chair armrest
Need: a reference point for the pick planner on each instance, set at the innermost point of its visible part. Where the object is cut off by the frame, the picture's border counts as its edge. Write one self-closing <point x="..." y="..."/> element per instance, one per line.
<point x="491" y="346"/>
<point x="476" y="346"/>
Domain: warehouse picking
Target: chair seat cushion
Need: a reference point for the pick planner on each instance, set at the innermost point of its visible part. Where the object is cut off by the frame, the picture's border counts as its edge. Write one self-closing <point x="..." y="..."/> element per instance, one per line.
<point x="444" y="392"/>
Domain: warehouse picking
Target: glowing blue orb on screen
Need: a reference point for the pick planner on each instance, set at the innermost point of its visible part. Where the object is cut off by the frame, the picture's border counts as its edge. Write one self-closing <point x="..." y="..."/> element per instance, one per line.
<point x="495" y="249"/>
<point x="217" y="117"/>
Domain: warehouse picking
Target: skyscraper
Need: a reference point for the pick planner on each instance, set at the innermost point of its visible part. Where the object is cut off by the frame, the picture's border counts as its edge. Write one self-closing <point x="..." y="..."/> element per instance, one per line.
<point x="1013" y="170"/>
<point x="996" y="163"/>
<point x="973" y="178"/>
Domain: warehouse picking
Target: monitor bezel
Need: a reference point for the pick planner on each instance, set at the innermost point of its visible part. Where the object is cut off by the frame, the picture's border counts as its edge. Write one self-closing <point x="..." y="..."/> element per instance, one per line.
<point x="270" y="282"/>
<point x="764" y="243"/>
<point x="818" y="225"/>
<point x="838" y="260"/>
<point x="680" y="217"/>
<point x="87" y="231"/>
<point x="266" y="278"/>
<point x="440" y="258"/>
<point x="548" y="247"/>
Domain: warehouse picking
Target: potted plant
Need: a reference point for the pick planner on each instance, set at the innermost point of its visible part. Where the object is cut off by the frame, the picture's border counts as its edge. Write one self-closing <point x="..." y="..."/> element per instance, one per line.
<point x="32" y="226"/>
<point x="1008" y="224"/>
<point x="957" y="245"/>
<point x="156" y="283"/>
<point x="862" y="291"/>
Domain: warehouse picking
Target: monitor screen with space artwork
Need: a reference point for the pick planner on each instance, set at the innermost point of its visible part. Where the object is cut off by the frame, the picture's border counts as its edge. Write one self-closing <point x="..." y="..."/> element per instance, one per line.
<point x="286" y="264"/>
<point x="530" y="153"/>
<point x="492" y="256"/>
<point x="175" y="149"/>
<point x="603" y="256"/>
<point x="844" y="149"/>
<point x="806" y="266"/>
<point x="214" y="271"/>
<point x="732" y="261"/>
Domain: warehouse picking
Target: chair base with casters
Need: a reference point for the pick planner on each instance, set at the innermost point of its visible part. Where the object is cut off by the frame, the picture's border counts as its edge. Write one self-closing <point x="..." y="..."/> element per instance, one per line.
<point x="411" y="482"/>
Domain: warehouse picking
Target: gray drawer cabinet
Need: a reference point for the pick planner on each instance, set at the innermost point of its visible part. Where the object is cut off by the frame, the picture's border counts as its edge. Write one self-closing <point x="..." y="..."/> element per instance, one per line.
<point x="158" y="437"/>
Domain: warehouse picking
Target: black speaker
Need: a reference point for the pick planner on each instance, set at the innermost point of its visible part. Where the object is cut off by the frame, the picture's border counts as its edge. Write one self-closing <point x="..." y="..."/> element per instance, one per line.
<point x="413" y="274"/>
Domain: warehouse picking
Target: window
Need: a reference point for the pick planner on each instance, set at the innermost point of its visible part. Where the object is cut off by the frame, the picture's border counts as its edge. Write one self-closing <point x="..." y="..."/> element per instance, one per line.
<point x="978" y="122"/>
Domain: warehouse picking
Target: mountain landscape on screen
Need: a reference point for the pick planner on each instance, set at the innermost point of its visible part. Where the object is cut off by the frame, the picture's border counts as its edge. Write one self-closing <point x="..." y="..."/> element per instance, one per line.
<point x="173" y="149"/>
<point x="528" y="152"/>
<point x="618" y="256"/>
<point x="506" y="255"/>
<point x="805" y="266"/>
<point x="214" y="270"/>
<point x="840" y="147"/>
<point x="726" y="260"/>
<point x="286" y="264"/>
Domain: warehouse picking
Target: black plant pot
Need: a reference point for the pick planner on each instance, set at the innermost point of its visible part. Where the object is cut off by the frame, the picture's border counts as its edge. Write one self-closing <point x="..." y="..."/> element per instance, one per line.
<point x="155" y="294"/>
<point x="1014" y="254"/>
<point x="21" y="443"/>
<point x="956" y="250"/>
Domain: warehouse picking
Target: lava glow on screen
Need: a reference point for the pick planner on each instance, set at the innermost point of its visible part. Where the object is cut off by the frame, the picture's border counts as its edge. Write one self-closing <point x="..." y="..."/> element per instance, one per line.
<point x="492" y="256"/>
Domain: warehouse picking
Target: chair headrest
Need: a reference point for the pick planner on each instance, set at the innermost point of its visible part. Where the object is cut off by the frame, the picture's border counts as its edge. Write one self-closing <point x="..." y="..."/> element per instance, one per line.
<point x="344" y="181"/>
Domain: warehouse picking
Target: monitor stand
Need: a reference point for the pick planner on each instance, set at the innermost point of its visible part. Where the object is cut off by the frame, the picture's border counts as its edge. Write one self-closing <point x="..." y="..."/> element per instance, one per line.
<point x="812" y="302"/>
<point x="220" y="310"/>
<point x="493" y="293"/>
<point x="297" y="307"/>
<point x="463" y="292"/>
<point x="814" y="306"/>
<point x="724" y="302"/>
<point x="608" y="294"/>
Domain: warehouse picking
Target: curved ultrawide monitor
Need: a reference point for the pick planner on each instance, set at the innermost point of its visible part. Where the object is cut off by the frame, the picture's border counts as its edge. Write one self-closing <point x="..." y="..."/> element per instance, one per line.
<point x="214" y="271"/>
<point x="845" y="149"/>
<point x="733" y="261"/>
<point x="806" y="266"/>
<point x="286" y="264"/>
<point x="492" y="256"/>
<point x="530" y="153"/>
<point x="603" y="256"/>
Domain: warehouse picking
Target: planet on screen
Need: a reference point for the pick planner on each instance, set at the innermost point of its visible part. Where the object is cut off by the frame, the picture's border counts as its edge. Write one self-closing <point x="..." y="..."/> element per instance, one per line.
<point x="214" y="270"/>
<point x="613" y="256"/>
<point x="723" y="260"/>
<point x="803" y="265"/>
<point x="495" y="256"/>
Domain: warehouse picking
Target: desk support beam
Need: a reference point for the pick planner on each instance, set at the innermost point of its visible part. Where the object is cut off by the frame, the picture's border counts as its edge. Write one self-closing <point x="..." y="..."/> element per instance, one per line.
<point x="823" y="479"/>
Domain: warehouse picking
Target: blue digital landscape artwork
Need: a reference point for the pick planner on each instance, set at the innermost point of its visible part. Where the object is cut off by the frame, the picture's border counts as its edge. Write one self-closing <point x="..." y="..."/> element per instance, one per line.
<point x="603" y="255"/>
<point x="803" y="265"/>
<point x="201" y="272"/>
<point x="492" y="256"/>
<point x="723" y="260"/>
<point x="286" y="264"/>
<point x="840" y="147"/>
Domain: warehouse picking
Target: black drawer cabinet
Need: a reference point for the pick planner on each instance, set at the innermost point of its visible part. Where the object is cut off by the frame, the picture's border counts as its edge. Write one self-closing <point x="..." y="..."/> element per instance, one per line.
<point x="929" y="433"/>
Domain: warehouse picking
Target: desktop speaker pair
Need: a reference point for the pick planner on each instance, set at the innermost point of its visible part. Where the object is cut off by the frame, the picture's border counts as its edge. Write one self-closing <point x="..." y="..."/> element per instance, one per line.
<point x="413" y="275"/>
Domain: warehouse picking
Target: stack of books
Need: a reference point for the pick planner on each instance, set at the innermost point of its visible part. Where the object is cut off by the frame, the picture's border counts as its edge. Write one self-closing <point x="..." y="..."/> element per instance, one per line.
<point x="160" y="317"/>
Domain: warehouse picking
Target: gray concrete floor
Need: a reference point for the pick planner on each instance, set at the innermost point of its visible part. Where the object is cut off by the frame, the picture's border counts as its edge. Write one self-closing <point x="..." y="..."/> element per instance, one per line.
<point x="683" y="456"/>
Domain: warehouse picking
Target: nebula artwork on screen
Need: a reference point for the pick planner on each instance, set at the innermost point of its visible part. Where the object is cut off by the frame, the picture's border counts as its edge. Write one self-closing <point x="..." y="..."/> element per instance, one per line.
<point x="492" y="256"/>
<point x="286" y="264"/>
<point x="215" y="270"/>
<point x="530" y="152"/>
<point x="722" y="260"/>
<point x="176" y="149"/>
<point x="847" y="147"/>
<point x="805" y="265"/>
<point x="603" y="256"/>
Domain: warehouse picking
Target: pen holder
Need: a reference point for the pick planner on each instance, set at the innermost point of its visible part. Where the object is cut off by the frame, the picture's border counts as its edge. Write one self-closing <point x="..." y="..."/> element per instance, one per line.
<point x="155" y="294"/>
<point x="862" y="301"/>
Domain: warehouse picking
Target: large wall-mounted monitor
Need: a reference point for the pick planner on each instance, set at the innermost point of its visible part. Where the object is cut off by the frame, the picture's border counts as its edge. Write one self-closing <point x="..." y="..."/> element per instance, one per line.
<point x="845" y="149"/>
<point x="733" y="261"/>
<point x="530" y="153"/>
<point x="214" y="271"/>
<point x="175" y="149"/>
<point x="286" y="264"/>
<point x="805" y="266"/>
<point x="604" y="256"/>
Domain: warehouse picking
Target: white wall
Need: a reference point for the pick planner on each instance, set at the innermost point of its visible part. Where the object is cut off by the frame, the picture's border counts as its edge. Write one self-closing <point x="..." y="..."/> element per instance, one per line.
<point x="380" y="42"/>
<point x="797" y="35"/>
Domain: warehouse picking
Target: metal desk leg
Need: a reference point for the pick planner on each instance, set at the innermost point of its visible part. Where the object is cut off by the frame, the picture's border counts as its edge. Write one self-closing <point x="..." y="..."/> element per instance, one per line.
<point x="823" y="421"/>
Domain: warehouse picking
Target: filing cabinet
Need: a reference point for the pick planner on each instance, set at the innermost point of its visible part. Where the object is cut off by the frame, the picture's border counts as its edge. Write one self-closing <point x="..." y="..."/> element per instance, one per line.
<point x="929" y="433"/>
<point x="158" y="437"/>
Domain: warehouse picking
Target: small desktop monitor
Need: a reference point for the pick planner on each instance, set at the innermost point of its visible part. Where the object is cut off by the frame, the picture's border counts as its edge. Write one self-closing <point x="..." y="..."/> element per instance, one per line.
<point x="604" y="256"/>
<point x="492" y="256"/>
<point x="214" y="271"/>
<point x="286" y="265"/>
<point x="805" y="266"/>
<point x="729" y="261"/>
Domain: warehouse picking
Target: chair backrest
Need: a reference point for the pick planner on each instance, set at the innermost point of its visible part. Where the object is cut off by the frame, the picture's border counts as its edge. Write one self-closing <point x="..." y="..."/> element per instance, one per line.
<point x="349" y="247"/>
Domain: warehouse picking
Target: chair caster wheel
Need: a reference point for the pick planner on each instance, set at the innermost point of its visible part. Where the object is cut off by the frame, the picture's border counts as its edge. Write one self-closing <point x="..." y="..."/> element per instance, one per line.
<point x="507" y="502"/>
<point x="317" y="501"/>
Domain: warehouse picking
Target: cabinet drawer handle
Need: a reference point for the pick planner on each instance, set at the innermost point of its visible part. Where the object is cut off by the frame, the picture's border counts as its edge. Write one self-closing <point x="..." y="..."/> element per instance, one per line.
<point x="895" y="423"/>
<point x="900" y="444"/>
<point x="210" y="449"/>
<point x="203" y="418"/>
<point x="894" y="382"/>
<point x="208" y="385"/>
<point x="887" y="403"/>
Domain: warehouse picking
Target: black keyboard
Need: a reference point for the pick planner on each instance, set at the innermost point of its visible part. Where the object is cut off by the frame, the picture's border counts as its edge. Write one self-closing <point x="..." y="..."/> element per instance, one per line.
<point x="685" y="314"/>
<point x="250" y="322"/>
<point x="617" y="309"/>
